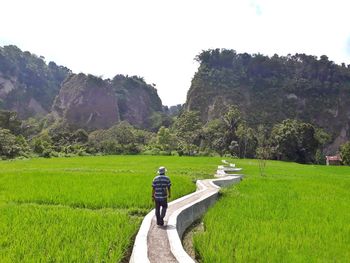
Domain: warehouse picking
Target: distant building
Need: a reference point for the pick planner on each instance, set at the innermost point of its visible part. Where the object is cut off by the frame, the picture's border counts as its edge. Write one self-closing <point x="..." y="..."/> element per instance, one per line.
<point x="333" y="160"/>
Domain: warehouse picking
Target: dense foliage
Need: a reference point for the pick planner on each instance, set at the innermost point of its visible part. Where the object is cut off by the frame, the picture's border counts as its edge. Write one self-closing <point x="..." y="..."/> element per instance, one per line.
<point x="345" y="153"/>
<point x="269" y="90"/>
<point x="294" y="141"/>
<point x="139" y="102"/>
<point x="37" y="79"/>
<point x="290" y="140"/>
<point x="32" y="88"/>
<point x="297" y="98"/>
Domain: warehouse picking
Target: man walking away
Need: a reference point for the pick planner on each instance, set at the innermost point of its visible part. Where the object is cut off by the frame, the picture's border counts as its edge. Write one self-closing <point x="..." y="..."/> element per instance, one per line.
<point x="161" y="191"/>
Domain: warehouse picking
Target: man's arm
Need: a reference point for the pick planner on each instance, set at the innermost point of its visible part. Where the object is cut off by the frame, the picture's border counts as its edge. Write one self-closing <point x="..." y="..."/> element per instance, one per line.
<point x="169" y="191"/>
<point x="153" y="192"/>
<point x="169" y="188"/>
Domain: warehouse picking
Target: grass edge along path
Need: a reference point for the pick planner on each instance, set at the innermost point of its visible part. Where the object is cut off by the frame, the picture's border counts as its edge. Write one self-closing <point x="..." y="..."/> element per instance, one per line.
<point x="297" y="213"/>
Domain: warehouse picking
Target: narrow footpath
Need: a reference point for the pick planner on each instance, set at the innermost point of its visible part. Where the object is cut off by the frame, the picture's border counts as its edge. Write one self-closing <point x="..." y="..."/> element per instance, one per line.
<point x="162" y="244"/>
<point x="157" y="241"/>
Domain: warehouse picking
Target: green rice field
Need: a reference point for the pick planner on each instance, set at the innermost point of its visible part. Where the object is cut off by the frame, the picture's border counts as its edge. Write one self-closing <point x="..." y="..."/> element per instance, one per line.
<point x="83" y="209"/>
<point x="88" y="209"/>
<point x="297" y="213"/>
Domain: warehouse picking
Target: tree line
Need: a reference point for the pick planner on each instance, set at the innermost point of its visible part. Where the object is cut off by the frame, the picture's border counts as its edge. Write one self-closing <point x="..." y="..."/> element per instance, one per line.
<point x="229" y="135"/>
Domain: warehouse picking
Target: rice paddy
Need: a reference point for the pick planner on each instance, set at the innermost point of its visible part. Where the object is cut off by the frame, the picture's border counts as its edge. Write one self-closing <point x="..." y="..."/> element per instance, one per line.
<point x="297" y="213"/>
<point x="83" y="209"/>
<point x="88" y="209"/>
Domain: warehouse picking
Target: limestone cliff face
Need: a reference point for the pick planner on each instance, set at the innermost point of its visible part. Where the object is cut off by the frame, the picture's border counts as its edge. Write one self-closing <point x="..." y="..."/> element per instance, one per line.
<point x="31" y="87"/>
<point x="330" y="112"/>
<point x="137" y="100"/>
<point x="15" y="97"/>
<point x="27" y="84"/>
<point x="269" y="90"/>
<point x="93" y="103"/>
<point x="86" y="102"/>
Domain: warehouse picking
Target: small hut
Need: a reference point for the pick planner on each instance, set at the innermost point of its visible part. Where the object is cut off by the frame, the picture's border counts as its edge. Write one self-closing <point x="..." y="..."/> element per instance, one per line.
<point x="333" y="160"/>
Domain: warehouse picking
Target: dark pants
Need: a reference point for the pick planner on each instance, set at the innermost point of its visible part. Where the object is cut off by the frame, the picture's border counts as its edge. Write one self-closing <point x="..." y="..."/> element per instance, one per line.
<point x="161" y="214"/>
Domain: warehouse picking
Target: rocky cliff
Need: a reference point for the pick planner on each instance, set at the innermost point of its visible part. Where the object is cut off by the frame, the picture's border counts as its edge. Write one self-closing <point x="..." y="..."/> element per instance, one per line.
<point x="92" y="103"/>
<point x="86" y="102"/>
<point x="31" y="87"/>
<point x="269" y="90"/>
<point x="27" y="84"/>
<point x="137" y="100"/>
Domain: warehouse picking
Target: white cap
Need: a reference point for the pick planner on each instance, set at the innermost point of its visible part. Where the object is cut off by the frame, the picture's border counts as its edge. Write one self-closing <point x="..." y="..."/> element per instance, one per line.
<point x="161" y="170"/>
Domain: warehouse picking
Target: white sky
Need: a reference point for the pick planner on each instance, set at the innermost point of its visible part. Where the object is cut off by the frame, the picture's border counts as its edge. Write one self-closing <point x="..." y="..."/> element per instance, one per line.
<point x="158" y="39"/>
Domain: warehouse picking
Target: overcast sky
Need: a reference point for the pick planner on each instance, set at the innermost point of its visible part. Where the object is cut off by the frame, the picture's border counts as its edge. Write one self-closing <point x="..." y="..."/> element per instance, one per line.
<point x="159" y="39"/>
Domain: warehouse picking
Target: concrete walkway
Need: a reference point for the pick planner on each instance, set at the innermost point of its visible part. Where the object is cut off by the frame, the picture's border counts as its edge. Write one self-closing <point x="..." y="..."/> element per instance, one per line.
<point x="156" y="244"/>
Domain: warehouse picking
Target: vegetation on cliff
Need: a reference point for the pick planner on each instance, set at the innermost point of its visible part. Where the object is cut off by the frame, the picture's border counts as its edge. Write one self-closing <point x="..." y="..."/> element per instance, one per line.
<point x="268" y="90"/>
<point x="33" y="88"/>
<point x="290" y="140"/>
<point x="301" y="101"/>
<point x="27" y="77"/>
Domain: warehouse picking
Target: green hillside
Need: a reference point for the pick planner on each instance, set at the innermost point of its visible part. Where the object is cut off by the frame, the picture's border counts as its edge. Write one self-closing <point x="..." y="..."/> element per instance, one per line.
<point x="268" y="90"/>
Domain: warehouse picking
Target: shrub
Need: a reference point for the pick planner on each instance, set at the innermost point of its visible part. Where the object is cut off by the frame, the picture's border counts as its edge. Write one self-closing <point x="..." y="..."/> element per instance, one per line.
<point x="345" y="153"/>
<point x="12" y="146"/>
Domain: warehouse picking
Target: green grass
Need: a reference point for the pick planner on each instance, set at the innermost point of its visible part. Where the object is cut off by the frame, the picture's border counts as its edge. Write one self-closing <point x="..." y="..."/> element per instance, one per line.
<point x="31" y="233"/>
<point x="83" y="209"/>
<point x="297" y="213"/>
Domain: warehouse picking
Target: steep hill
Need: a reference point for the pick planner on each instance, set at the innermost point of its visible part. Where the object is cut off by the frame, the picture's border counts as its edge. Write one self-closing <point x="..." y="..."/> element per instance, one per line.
<point x="31" y="87"/>
<point x="86" y="102"/>
<point x="27" y="84"/>
<point x="92" y="103"/>
<point x="137" y="100"/>
<point x="269" y="90"/>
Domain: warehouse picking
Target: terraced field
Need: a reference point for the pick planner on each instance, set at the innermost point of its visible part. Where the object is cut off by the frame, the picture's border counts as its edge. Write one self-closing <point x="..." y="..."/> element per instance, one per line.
<point x="84" y="209"/>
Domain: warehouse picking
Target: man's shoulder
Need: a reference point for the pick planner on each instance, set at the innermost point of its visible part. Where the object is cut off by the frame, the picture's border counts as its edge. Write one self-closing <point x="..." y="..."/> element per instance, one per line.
<point x="167" y="177"/>
<point x="161" y="177"/>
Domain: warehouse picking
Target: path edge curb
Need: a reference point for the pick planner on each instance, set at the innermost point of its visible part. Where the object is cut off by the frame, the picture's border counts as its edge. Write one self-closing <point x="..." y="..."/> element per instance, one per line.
<point x="140" y="250"/>
<point x="175" y="235"/>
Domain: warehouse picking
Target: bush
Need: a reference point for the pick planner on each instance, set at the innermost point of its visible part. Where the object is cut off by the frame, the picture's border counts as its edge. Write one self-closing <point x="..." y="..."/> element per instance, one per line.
<point x="345" y="153"/>
<point x="12" y="146"/>
<point x="154" y="151"/>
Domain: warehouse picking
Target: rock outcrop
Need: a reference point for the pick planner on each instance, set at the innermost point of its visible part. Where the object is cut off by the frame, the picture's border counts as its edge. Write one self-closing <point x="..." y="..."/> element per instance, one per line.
<point x="92" y="103"/>
<point x="31" y="87"/>
<point x="137" y="100"/>
<point x="270" y="90"/>
<point x="87" y="102"/>
<point x="27" y="84"/>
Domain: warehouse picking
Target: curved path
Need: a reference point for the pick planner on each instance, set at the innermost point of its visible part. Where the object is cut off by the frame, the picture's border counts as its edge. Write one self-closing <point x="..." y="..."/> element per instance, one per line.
<point x="156" y="244"/>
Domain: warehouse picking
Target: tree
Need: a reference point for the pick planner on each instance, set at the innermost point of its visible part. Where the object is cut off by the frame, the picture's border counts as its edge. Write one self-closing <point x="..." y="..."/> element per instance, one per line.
<point x="213" y="136"/>
<point x="31" y="127"/>
<point x="232" y="119"/>
<point x="187" y="128"/>
<point x="42" y="144"/>
<point x="323" y="139"/>
<point x="10" y="121"/>
<point x="293" y="140"/>
<point x="10" y="146"/>
<point x="80" y="136"/>
<point x="166" y="140"/>
<point x="122" y="138"/>
<point x="246" y="141"/>
<point x="263" y="150"/>
<point x="345" y="153"/>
